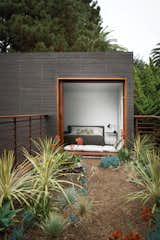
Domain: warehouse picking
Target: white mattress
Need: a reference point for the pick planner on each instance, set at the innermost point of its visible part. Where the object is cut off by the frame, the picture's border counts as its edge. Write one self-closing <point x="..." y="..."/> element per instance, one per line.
<point x="90" y="148"/>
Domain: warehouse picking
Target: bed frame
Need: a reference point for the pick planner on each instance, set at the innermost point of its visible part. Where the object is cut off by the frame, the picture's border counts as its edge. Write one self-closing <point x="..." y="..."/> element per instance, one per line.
<point x="89" y="139"/>
<point x="85" y="153"/>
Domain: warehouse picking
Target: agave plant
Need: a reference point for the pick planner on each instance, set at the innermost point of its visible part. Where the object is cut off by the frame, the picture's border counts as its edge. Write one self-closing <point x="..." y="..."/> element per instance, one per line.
<point x="148" y="178"/>
<point x="50" y="165"/>
<point x="15" y="182"/>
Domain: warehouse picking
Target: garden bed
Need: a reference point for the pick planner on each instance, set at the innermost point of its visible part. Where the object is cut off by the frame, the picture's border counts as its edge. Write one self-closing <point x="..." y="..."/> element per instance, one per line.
<point x="107" y="189"/>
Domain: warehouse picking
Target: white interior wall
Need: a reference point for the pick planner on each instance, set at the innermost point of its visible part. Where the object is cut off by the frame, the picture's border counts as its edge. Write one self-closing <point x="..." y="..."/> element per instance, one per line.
<point x="93" y="104"/>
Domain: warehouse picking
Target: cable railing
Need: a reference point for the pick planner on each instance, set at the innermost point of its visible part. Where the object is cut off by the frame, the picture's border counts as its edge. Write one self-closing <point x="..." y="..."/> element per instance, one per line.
<point x="148" y="125"/>
<point x="17" y="131"/>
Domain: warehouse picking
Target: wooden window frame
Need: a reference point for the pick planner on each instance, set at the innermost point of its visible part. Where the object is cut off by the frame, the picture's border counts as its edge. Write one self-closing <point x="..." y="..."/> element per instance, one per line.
<point x="60" y="107"/>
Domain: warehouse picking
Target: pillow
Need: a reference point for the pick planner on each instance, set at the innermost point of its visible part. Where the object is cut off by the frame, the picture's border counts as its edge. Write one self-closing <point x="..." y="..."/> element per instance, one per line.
<point x="73" y="130"/>
<point x="84" y="131"/>
<point x="98" y="131"/>
<point x="88" y="130"/>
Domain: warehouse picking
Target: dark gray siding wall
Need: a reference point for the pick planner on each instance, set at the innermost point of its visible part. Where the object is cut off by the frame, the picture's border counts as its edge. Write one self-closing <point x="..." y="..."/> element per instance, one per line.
<point x="28" y="80"/>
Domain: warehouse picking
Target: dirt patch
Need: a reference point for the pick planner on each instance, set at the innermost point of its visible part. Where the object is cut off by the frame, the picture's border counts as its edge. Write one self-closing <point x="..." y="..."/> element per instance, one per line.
<point x="108" y="189"/>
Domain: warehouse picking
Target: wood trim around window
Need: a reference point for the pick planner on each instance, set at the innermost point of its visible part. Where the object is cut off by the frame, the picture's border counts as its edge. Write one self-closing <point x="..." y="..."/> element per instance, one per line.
<point x="60" y="112"/>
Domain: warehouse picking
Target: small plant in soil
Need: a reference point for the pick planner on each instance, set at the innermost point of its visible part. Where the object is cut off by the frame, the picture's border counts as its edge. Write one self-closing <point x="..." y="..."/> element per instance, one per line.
<point x="154" y="230"/>
<point x="118" y="235"/>
<point x="27" y="222"/>
<point x="7" y="214"/>
<point x="54" y="225"/>
<point x="109" y="161"/>
<point x="147" y="178"/>
<point x="141" y="145"/>
<point x="124" y="155"/>
<point x="83" y="206"/>
<point x="72" y="196"/>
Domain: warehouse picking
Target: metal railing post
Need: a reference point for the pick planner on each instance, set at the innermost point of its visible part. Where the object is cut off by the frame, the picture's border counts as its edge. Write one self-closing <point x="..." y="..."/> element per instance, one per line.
<point x="40" y="132"/>
<point x="15" y="137"/>
<point x="30" y="134"/>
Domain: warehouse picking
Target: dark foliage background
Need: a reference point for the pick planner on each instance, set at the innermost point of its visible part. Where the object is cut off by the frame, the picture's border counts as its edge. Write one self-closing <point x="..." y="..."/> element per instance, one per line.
<point x="52" y="25"/>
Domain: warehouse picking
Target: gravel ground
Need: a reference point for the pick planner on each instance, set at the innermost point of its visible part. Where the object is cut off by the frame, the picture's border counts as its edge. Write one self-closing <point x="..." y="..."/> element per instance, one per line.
<point x="108" y="189"/>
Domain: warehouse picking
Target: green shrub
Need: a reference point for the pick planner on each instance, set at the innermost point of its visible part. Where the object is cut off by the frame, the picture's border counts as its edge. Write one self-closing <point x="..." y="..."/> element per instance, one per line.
<point x="141" y="145"/>
<point x="52" y="169"/>
<point x="109" y="161"/>
<point x="15" y="182"/>
<point x="28" y="221"/>
<point x="147" y="178"/>
<point x="124" y="155"/>
<point x="79" y="211"/>
<point x="54" y="225"/>
<point x="18" y="233"/>
<point x="6" y="216"/>
<point x="72" y="196"/>
<point x="154" y="230"/>
<point x="83" y="205"/>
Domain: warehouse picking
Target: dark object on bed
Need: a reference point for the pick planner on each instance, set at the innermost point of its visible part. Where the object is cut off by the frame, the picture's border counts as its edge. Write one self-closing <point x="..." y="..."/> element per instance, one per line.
<point x="88" y="139"/>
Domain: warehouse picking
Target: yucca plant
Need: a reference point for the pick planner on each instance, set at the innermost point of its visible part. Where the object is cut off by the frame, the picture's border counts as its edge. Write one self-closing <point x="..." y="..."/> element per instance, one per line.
<point x="147" y="178"/>
<point x="141" y="145"/>
<point x="15" y="182"/>
<point x="50" y="165"/>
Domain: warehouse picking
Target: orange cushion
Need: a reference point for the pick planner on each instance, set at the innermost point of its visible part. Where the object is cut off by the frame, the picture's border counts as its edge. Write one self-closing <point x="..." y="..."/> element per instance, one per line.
<point x="79" y="141"/>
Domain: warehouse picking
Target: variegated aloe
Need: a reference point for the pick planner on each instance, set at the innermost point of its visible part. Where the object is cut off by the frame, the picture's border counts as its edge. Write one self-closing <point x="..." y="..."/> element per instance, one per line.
<point x="50" y="167"/>
<point x="148" y="178"/>
<point x="15" y="182"/>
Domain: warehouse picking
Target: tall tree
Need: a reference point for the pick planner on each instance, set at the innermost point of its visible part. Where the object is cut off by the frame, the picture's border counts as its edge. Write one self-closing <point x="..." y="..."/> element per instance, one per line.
<point x="52" y="25"/>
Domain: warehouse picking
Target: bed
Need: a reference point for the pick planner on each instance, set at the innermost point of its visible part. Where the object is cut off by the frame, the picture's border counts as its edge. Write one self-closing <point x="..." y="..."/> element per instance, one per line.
<point x="91" y="135"/>
<point x="95" y="150"/>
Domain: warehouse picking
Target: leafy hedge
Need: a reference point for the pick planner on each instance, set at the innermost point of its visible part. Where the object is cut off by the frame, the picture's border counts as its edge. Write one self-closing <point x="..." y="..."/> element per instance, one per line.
<point x="147" y="88"/>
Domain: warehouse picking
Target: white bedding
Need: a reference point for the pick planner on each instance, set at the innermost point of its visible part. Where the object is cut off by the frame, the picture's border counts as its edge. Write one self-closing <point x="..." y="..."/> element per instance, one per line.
<point x="91" y="148"/>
